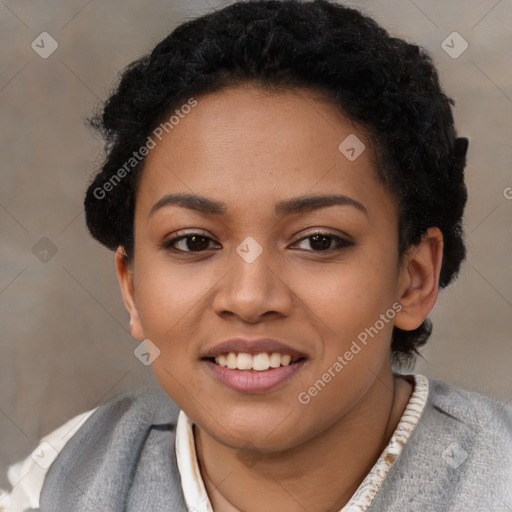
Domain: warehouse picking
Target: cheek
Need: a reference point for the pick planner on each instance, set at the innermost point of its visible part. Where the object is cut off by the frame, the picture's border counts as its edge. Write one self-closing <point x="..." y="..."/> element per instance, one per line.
<point x="170" y="304"/>
<point x="166" y="293"/>
<point x="350" y="296"/>
<point x="357" y="341"/>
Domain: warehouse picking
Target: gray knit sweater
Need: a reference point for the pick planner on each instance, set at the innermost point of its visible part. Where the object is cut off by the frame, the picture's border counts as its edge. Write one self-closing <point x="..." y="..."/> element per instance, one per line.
<point x="457" y="459"/>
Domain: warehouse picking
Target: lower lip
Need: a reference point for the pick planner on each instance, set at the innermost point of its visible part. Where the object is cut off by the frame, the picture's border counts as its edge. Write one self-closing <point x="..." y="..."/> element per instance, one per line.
<point x="251" y="381"/>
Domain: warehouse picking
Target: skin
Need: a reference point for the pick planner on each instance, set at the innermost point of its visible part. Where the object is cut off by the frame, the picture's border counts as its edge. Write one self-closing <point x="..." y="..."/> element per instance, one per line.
<point x="250" y="148"/>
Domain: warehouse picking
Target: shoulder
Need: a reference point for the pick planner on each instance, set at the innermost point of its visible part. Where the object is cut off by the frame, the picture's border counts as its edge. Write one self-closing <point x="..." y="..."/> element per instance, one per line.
<point x="478" y="451"/>
<point x="27" y="476"/>
<point x="107" y="421"/>
<point x="117" y="427"/>
<point x="482" y="425"/>
<point x="457" y="458"/>
<point x="486" y="416"/>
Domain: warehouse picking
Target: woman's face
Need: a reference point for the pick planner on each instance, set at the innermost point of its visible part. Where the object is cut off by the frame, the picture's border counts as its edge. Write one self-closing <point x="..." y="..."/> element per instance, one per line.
<point x="253" y="268"/>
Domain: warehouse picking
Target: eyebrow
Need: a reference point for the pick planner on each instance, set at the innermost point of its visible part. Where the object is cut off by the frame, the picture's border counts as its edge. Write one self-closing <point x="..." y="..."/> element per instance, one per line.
<point x="285" y="207"/>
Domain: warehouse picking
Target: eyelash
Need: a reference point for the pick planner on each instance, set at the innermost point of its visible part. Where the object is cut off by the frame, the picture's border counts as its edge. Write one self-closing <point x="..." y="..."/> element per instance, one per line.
<point x="341" y="243"/>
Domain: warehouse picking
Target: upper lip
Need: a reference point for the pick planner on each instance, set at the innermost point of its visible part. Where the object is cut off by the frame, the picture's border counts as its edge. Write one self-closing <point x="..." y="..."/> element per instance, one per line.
<point x="253" y="347"/>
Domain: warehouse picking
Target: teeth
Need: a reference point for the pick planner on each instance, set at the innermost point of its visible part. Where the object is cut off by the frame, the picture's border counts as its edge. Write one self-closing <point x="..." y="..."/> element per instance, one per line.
<point x="231" y="361"/>
<point x="244" y="361"/>
<point x="259" y="362"/>
<point x="275" y="360"/>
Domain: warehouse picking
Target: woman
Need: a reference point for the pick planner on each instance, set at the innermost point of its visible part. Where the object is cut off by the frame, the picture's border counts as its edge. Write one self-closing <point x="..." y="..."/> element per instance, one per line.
<point x="283" y="189"/>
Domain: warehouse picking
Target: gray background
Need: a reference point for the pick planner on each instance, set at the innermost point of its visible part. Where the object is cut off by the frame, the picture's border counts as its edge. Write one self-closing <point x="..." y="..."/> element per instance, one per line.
<point x="65" y="344"/>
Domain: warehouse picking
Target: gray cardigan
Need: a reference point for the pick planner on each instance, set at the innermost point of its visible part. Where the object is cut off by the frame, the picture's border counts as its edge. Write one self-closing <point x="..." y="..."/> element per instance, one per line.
<point x="458" y="459"/>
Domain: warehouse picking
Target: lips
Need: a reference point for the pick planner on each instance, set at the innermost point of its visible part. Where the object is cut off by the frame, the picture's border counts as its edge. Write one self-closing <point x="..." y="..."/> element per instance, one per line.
<point x="253" y="366"/>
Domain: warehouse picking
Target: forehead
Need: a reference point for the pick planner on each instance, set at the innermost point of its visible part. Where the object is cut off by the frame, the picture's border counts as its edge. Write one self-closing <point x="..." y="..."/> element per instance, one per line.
<point x="246" y="145"/>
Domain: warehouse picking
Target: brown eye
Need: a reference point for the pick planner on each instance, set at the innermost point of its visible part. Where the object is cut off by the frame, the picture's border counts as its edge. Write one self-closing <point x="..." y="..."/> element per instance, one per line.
<point x="326" y="242"/>
<point x="194" y="242"/>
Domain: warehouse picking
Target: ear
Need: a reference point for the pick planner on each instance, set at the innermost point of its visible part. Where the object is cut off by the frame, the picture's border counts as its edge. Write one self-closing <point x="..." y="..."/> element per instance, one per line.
<point x="419" y="280"/>
<point x="125" y="277"/>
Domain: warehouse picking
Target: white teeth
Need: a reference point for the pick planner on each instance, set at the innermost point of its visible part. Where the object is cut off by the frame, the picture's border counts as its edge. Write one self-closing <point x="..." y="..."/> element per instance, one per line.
<point x="231" y="360"/>
<point x="275" y="360"/>
<point x="285" y="360"/>
<point x="244" y="361"/>
<point x="261" y="362"/>
<point x="258" y="362"/>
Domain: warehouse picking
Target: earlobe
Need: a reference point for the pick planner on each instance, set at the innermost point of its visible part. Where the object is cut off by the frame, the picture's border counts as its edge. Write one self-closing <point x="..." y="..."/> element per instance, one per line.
<point x="126" y="283"/>
<point x="419" y="280"/>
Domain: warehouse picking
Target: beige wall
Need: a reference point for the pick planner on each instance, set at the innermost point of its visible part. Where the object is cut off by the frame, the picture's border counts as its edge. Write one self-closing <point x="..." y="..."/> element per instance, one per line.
<point x="65" y="345"/>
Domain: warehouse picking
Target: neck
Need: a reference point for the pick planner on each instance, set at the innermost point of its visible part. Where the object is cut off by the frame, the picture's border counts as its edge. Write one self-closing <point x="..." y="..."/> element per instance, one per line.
<point x="248" y="480"/>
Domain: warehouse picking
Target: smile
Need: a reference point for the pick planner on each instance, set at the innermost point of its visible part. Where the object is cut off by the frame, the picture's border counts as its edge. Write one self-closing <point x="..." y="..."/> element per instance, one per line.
<point x="258" y="362"/>
<point x="253" y="373"/>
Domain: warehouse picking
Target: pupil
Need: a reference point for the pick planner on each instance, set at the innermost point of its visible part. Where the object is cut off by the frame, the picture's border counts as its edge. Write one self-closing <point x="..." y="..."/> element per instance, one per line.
<point x="326" y="242"/>
<point x="193" y="245"/>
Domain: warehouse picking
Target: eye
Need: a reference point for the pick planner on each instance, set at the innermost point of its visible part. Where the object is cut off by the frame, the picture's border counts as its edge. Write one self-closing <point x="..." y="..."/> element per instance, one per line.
<point x="192" y="242"/>
<point x="323" y="242"/>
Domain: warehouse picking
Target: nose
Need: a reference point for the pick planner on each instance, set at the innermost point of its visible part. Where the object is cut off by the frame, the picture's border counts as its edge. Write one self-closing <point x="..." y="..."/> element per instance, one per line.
<point x="253" y="290"/>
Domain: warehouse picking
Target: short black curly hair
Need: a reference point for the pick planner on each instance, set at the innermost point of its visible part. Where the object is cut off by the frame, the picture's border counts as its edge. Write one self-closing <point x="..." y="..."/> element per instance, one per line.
<point x="385" y="84"/>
